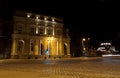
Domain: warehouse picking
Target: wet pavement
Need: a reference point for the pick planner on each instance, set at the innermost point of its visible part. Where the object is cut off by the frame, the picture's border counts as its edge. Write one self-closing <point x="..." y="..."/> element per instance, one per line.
<point x="82" y="67"/>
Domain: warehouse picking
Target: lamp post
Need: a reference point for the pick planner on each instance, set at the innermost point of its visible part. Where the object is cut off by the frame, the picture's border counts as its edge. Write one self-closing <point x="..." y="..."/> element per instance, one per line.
<point x="83" y="46"/>
<point x="26" y="22"/>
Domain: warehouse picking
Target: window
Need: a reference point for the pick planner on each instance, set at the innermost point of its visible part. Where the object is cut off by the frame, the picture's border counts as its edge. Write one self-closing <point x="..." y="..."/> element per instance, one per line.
<point x="49" y="31"/>
<point x="41" y="30"/>
<point x="20" y="45"/>
<point x="58" y="31"/>
<point x="19" y="30"/>
<point x="32" y="30"/>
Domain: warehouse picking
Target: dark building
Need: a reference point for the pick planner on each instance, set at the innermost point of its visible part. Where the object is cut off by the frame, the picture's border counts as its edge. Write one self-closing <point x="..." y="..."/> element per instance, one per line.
<point x="5" y="38"/>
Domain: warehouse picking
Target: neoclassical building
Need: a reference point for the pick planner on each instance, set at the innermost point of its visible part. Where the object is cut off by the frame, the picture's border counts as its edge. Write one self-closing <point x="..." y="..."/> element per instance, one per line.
<point x="38" y="36"/>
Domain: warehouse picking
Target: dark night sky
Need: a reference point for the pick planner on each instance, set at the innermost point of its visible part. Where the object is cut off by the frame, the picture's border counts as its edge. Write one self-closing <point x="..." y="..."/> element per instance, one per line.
<point x="98" y="19"/>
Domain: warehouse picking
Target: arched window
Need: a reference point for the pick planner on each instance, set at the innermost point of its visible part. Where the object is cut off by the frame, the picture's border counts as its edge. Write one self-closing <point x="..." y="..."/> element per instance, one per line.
<point x="20" y="46"/>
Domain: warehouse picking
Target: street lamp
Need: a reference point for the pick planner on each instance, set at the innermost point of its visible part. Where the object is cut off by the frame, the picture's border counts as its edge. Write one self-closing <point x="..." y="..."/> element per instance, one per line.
<point x="83" y="46"/>
<point x="26" y="22"/>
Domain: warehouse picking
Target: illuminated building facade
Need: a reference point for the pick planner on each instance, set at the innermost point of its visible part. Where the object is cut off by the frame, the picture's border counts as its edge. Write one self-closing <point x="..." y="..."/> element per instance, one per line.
<point x="38" y="36"/>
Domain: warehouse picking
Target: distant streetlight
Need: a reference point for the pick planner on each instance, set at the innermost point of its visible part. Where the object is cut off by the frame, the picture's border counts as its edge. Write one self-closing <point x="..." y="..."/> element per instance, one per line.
<point x="83" y="39"/>
<point x="83" y="45"/>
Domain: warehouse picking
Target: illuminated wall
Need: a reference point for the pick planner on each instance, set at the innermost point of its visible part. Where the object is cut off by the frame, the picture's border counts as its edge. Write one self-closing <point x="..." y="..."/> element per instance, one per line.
<point x="38" y="36"/>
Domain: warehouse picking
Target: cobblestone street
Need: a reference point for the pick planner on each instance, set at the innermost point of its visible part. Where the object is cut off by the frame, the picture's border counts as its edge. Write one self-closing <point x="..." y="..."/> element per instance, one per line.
<point x="83" y="67"/>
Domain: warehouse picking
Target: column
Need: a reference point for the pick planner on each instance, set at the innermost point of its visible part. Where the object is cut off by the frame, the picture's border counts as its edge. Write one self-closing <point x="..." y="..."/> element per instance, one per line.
<point x="48" y="47"/>
<point x="57" y="48"/>
<point x="53" y="30"/>
<point x="37" y="30"/>
<point x="36" y="47"/>
<point x="45" y="29"/>
<point x="13" y="52"/>
<point x="39" y="47"/>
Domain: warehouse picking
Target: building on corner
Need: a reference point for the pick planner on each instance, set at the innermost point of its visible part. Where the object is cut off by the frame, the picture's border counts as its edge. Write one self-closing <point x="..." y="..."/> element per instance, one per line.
<point x="38" y="36"/>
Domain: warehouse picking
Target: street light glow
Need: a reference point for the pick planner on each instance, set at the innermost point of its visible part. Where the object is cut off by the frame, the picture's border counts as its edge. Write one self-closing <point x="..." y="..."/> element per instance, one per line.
<point x="83" y="39"/>
<point x="28" y="15"/>
<point x="84" y="48"/>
